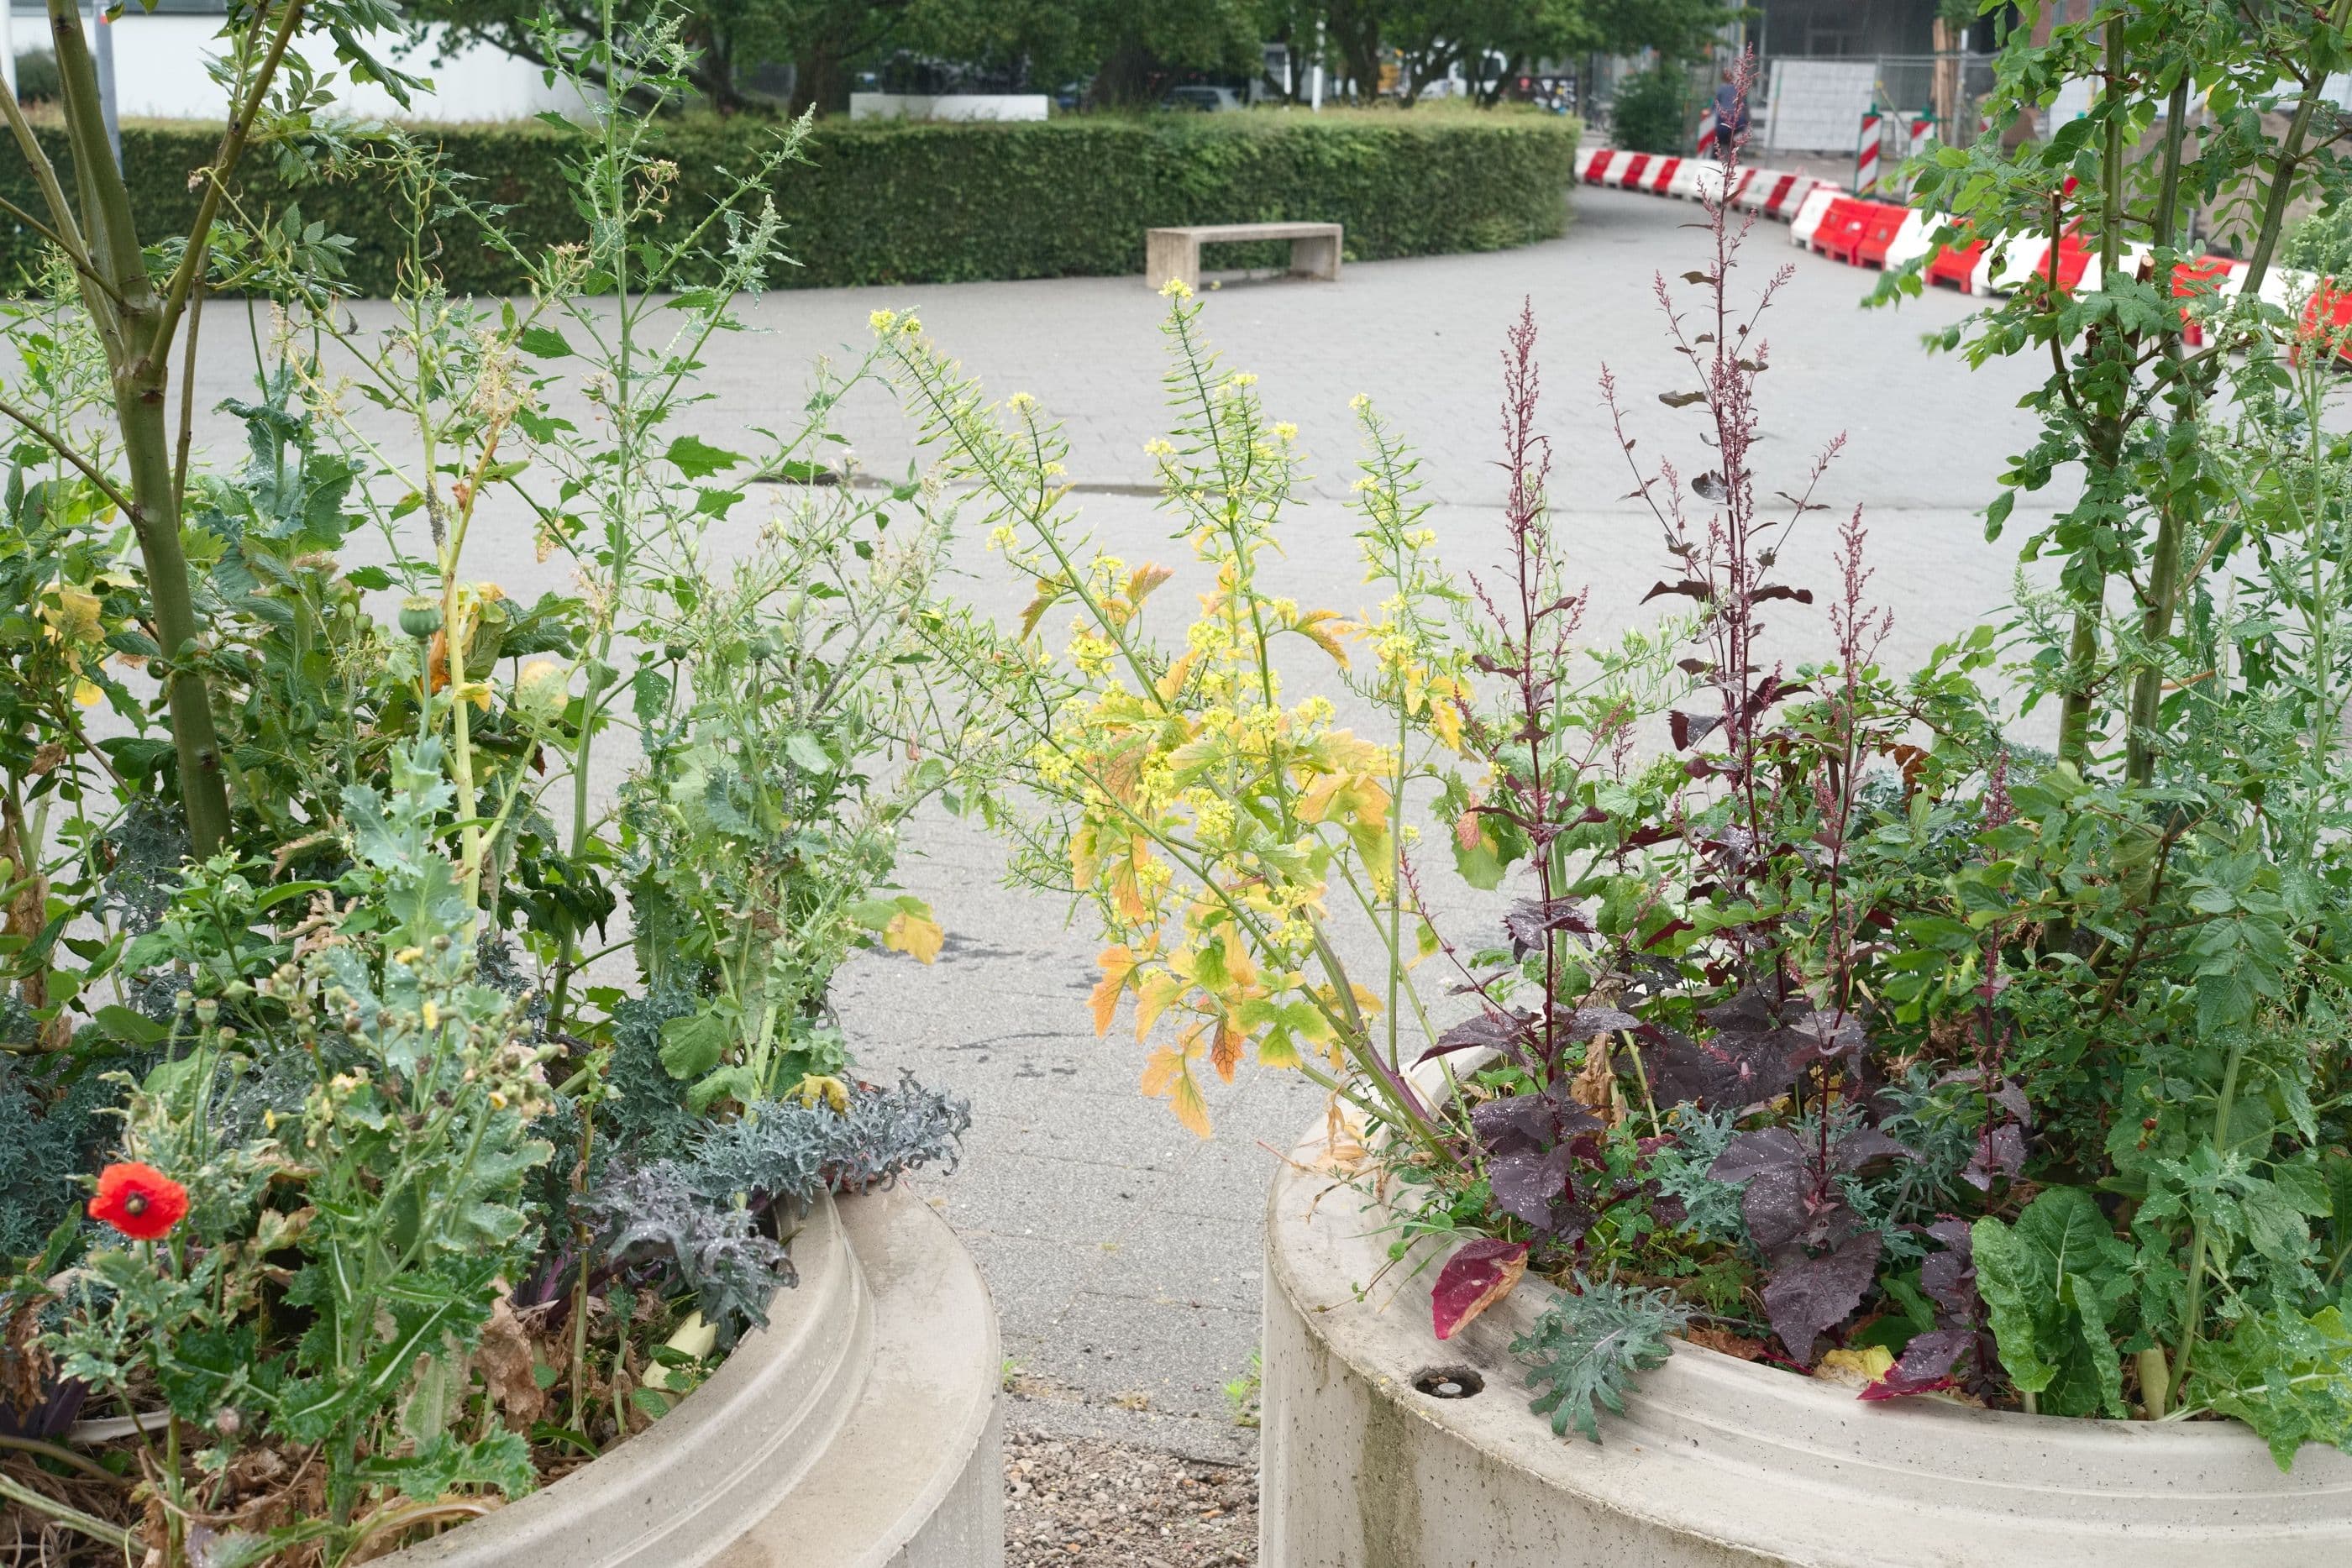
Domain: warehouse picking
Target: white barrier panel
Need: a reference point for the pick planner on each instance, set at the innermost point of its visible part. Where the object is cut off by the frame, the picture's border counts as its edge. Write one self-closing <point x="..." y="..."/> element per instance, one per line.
<point x="957" y="106"/>
<point x="1910" y="241"/>
<point x="2004" y="267"/>
<point x="1687" y="179"/>
<point x="1809" y="215"/>
<point x="1814" y="105"/>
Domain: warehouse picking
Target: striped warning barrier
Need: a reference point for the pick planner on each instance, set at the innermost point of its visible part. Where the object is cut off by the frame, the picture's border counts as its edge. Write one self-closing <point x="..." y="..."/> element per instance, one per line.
<point x="1839" y="234"/>
<point x="1865" y="155"/>
<point x="1628" y="170"/>
<point x="1896" y="244"/>
<point x="1809" y="215"/>
<point x="1691" y="177"/>
<point x="1662" y="174"/>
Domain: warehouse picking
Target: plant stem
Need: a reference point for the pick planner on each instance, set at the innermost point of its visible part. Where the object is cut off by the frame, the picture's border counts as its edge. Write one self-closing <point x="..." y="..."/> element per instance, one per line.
<point x="73" y="1519"/>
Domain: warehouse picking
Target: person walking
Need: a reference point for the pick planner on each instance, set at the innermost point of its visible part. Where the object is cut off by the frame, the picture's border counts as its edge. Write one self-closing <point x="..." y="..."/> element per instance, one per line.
<point x="1731" y="117"/>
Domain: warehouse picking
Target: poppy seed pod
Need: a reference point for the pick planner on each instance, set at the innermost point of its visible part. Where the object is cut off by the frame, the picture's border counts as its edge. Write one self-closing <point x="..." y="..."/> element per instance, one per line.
<point x="420" y="615"/>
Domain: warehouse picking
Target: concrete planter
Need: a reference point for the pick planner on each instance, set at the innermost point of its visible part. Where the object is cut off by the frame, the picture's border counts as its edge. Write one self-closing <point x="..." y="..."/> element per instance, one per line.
<point x="1715" y="1461"/>
<point x="858" y="1430"/>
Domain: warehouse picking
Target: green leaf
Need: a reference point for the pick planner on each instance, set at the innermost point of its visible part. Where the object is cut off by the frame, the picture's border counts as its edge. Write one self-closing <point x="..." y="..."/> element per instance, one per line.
<point x="696" y="459"/>
<point x="1585" y="1350"/>
<point x="2056" y="1283"/>
<point x="131" y="1028"/>
<point x="543" y="343"/>
<point x="692" y="1045"/>
<point x="2287" y="1376"/>
<point x="807" y="752"/>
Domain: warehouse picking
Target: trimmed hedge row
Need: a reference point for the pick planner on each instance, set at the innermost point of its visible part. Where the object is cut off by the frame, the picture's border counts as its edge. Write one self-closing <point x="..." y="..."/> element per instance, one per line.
<point x="893" y="202"/>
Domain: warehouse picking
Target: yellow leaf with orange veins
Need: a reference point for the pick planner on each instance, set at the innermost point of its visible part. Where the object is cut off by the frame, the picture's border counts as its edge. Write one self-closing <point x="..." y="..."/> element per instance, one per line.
<point x="1325" y="629"/>
<point x="1085" y="861"/>
<point x="1177" y="673"/>
<point x="914" y="933"/>
<point x="1144" y="578"/>
<point x="1152" y="999"/>
<point x="1045" y="600"/>
<point x="1117" y="963"/>
<point x="1226" y="1054"/>
<point x="1168" y="1075"/>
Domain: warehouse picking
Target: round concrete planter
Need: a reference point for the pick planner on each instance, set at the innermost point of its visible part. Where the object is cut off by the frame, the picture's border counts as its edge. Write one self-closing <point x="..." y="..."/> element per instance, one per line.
<point x="857" y="1430"/>
<point x="1714" y="1460"/>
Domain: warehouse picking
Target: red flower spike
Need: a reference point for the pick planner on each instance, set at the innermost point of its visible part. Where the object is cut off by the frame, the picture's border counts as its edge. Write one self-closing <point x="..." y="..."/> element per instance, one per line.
<point x="138" y="1200"/>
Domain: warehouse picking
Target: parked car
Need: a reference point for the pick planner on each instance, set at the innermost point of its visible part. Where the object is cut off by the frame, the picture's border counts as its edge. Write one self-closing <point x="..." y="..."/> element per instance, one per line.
<point x="1206" y="100"/>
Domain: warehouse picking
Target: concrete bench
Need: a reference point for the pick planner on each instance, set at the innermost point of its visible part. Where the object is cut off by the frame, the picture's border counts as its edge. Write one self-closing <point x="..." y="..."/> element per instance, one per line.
<point x="1176" y="253"/>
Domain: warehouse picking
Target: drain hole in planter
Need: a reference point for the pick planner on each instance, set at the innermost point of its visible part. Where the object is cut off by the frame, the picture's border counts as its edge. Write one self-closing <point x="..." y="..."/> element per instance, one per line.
<point x="1448" y="1382"/>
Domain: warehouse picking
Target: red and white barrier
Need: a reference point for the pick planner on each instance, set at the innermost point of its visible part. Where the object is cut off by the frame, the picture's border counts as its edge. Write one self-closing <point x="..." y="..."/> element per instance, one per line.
<point x="1809" y="215"/>
<point x="1865" y="233"/>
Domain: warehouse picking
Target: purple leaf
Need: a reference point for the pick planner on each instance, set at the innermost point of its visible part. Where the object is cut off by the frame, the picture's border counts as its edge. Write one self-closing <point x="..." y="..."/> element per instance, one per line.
<point x="1530" y="923"/>
<point x="1479" y="1274"/>
<point x="1864" y="1145"/>
<point x="1753" y="1154"/>
<point x="1689" y="728"/>
<point x="1583" y="1023"/>
<point x="1690" y="586"/>
<point x="1808" y="1296"/>
<point x="1490" y="1029"/>
<point x="1827" y="1036"/>
<point x="1950" y="1277"/>
<point x="1779" y="1203"/>
<point x="1926" y="1365"/>
<point x="1515" y="1124"/>
<point x="2000" y="1156"/>
<point x="1780" y="590"/>
<point x="1735" y="1069"/>
<point x="1525" y="1185"/>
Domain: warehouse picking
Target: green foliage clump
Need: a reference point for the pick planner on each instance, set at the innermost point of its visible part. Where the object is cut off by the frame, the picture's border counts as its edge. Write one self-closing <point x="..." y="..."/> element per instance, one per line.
<point x="890" y="203"/>
<point x="1651" y="109"/>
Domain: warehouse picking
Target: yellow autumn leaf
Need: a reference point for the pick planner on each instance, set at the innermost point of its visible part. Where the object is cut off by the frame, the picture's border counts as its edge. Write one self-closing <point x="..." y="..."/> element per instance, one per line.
<point x="1168" y="1075"/>
<point x="1143" y="580"/>
<point x="1151" y="1000"/>
<point x="86" y="694"/>
<point x="1116" y="962"/>
<point x="74" y="614"/>
<point x="917" y="934"/>
<point x="1855" y="1368"/>
<point x="814" y="1086"/>
<point x="1324" y="628"/>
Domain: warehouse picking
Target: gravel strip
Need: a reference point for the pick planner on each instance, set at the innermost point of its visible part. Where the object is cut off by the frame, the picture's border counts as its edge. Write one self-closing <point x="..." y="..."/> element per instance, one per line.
<point x="1101" y="1504"/>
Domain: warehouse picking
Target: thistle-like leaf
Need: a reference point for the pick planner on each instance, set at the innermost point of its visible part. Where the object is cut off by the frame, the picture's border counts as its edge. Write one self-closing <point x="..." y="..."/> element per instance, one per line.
<point x="1585" y="1351"/>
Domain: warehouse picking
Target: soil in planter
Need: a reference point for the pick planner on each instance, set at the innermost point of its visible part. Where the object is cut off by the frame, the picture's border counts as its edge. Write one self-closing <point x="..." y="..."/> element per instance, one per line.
<point x="1100" y="1504"/>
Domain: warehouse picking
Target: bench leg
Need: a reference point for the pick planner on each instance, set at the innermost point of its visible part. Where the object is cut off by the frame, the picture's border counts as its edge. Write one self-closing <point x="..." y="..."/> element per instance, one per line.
<point x="1317" y="255"/>
<point x="1171" y="257"/>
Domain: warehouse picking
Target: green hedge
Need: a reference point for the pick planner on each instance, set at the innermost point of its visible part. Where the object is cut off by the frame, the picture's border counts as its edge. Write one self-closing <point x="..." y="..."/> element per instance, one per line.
<point x="891" y="203"/>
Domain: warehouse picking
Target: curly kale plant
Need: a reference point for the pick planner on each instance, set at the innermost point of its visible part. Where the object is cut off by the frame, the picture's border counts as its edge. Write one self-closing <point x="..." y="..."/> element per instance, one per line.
<point x="696" y="1219"/>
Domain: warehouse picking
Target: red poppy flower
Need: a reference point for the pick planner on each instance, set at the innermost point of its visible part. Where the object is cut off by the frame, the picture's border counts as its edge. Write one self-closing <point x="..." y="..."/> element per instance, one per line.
<point x="138" y="1200"/>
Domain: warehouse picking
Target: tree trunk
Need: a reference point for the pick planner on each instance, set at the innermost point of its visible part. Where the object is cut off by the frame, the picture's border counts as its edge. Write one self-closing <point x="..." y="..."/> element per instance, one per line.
<point x="820" y="81"/>
<point x="140" y="363"/>
<point x="1130" y="78"/>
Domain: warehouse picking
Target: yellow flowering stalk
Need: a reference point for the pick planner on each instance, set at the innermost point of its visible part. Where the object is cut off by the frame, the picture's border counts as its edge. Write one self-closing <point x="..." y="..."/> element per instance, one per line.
<point x="1214" y="821"/>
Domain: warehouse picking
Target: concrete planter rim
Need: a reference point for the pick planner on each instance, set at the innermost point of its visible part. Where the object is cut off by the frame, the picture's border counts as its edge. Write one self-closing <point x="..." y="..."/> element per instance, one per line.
<point x="1716" y="1459"/>
<point x="886" y="1350"/>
